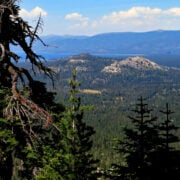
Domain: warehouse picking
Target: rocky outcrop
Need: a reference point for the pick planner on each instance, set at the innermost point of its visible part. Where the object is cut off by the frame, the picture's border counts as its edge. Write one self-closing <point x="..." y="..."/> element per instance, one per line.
<point x="139" y="63"/>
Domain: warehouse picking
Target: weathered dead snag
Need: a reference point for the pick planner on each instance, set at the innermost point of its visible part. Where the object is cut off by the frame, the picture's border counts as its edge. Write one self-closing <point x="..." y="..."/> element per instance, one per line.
<point x="14" y="30"/>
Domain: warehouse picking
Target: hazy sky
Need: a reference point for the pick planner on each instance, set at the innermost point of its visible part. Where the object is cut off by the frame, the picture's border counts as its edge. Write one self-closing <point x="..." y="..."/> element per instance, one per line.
<point x="89" y="17"/>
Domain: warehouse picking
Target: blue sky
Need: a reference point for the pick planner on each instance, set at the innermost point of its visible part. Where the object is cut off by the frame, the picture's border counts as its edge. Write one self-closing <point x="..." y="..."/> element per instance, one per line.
<point x="89" y="17"/>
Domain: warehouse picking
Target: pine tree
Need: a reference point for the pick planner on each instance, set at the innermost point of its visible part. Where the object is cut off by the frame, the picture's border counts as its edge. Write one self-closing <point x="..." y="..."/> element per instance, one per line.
<point x="23" y="116"/>
<point x="166" y="163"/>
<point x="84" y="166"/>
<point x="166" y="128"/>
<point x="140" y="140"/>
<point x="68" y="156"/>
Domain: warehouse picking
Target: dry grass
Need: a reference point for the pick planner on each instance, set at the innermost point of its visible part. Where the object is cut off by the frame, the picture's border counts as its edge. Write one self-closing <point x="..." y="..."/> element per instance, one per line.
<point x="90" y="91"/>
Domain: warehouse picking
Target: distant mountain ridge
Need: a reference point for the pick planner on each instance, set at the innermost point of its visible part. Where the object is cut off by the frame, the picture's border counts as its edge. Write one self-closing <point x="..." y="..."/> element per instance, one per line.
<point x="111" y="74"/>
<point x="85" y="62"/>
<point x="154" y="42"/>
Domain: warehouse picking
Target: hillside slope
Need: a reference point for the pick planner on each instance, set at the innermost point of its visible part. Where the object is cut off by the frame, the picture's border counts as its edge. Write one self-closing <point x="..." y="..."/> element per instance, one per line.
<point x="114" y="95"/>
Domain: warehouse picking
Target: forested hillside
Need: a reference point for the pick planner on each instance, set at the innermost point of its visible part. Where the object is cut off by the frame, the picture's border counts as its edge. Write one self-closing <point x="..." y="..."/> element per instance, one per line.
<point x="112" y="86"/>
<point x="83" y="117"/>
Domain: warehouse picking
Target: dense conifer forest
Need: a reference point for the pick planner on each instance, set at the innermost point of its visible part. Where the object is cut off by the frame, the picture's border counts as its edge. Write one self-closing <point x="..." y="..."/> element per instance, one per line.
<point x="84" y="117"/>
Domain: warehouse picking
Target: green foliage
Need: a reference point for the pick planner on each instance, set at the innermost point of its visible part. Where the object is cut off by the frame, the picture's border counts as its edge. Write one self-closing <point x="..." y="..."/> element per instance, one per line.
<point x="34" y="145"/>
<point x="54" y="163"/>
<point x="147" y="148"/>
<point x="66" y="151"/>
<point x="166" y="159"/>
<point x="7" y="140"/>
<point x="139" y="142"/>
<point x="22" y="107"/>
<point x="119" y="92"/>
<point x="84" y="166"/>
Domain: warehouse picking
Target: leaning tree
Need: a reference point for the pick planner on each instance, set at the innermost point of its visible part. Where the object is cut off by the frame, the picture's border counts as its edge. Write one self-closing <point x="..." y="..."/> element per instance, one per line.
<point x="14" y="31"/>
<point x="23" y="106"/>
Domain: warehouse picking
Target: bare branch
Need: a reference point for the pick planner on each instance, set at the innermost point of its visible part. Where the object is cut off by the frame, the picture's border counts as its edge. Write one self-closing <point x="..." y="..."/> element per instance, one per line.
<point x="14" y="30"/>
<point x="2" y="52"/>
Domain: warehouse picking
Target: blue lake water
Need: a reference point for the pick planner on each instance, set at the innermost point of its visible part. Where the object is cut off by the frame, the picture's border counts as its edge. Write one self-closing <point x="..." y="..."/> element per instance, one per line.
<point x="162" y="59"/>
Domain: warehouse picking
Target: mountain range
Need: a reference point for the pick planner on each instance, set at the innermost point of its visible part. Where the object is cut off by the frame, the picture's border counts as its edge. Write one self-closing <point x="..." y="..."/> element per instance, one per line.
<point x="154" y="42"/>
<point x="96" y="67"/>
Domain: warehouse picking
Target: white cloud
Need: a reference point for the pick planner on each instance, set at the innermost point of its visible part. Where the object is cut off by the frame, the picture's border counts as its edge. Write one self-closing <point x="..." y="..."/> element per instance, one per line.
<point x="133" y="13"/>
<point x="134" y="19"/>
<point x="142" y="14"/>
<point x="33" y="13"/>
<point x="80" y="21"/>
<point x="173" y="12"/>
<point x="76" y="17"/>
<point x="139" y="19"/>
<point x="94" y="24"/>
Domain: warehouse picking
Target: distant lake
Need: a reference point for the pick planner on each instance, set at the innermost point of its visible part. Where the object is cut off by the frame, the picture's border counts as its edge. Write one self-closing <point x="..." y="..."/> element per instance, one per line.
<point x="162" y="59"/>
<point x="119" y="56"/>
<point x="48" y="56"/>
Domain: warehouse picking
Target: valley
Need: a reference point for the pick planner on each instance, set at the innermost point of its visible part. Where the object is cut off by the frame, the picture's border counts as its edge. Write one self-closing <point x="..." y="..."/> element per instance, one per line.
<point x="112" y="86"/>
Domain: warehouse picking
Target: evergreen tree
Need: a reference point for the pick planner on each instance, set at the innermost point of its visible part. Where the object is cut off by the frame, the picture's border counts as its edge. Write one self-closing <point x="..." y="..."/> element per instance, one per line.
<point x="68" y="156"/>
<point x="23" y="116"/>
<point x="166" y="160"/>
<point x="139" y="142"/>
<point x="83" y="166"/>
<point x="31" y="145"/>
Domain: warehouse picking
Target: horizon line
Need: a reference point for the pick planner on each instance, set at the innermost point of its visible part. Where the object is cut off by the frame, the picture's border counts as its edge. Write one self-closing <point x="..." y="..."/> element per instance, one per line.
<point x="110" y="32"/>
